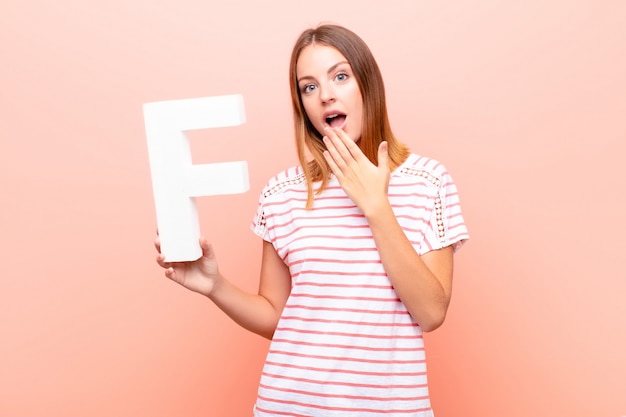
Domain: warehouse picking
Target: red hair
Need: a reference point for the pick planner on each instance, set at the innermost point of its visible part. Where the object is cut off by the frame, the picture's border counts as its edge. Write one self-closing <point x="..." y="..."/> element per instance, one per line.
<point x="375" y="124"/>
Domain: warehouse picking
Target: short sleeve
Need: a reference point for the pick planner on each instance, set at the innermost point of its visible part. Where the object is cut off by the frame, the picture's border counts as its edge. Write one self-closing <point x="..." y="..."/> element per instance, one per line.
<point x="272" y="198"/>
<point x="446" y="225"/>
<point x="259" y="222"/>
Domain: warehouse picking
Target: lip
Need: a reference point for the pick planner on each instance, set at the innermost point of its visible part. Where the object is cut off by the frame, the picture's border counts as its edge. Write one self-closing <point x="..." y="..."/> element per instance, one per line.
<point x="333" y="112"/>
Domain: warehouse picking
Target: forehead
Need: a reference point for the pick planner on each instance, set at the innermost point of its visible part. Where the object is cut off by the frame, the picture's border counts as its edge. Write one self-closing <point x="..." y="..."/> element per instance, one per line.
<point x="316" y="58"/>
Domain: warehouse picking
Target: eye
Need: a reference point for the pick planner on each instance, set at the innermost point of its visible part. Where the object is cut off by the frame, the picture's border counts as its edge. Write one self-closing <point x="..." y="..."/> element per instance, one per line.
<point x="342" y="76"/>
<point x="307" y="88"/>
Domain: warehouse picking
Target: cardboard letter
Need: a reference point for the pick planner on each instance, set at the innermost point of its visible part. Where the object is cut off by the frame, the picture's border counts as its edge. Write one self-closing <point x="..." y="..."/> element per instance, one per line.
<point x="175" y="180"/>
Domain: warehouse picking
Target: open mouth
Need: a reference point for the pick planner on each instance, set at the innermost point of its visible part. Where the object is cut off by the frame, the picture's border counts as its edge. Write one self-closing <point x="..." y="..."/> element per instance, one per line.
<point x="336" y="120"/>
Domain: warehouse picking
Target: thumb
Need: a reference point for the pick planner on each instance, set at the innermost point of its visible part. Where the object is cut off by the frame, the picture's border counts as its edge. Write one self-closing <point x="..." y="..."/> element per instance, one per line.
<point x="383" y="155"/>
<point x="207" y="250"/>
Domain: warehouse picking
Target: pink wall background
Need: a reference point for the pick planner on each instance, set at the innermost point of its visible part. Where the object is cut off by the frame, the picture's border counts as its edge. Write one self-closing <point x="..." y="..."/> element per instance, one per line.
<point x="523" y="101"/>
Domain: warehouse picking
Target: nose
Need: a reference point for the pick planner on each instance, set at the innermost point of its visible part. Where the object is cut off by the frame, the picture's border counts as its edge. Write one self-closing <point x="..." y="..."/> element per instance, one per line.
<point x="327" y="93"/>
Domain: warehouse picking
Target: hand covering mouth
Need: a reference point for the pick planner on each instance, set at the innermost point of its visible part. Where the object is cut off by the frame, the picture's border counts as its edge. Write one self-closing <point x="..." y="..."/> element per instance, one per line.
<point x="336" y="119"/>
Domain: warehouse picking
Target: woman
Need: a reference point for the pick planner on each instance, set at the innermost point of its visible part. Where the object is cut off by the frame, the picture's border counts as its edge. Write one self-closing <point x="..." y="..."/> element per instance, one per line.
<point x="358" y="245"/>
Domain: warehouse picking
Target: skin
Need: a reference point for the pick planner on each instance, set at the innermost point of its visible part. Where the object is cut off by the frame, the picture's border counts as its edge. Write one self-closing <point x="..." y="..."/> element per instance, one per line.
<point x="423" y="283"/>
<point x="327" y="85"/>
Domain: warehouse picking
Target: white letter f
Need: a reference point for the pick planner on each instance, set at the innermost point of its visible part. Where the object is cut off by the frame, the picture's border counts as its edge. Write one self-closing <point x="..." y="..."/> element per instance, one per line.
<point x="175" y="180"/>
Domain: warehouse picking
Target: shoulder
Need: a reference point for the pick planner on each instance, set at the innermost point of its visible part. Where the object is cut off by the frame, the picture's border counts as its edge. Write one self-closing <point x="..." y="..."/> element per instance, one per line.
<point x="290" y="178"/>
<point x="424" y="167"/>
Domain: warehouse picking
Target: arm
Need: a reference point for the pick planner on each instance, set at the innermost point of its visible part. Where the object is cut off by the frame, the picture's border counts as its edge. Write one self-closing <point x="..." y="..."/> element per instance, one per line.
<point x="259" y="312"/>
<point x="423" y="283"/>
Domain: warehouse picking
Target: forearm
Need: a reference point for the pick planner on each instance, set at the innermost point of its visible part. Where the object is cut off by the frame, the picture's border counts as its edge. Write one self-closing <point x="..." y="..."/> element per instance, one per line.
<point x="425" y="295"/>
<point x="253" y="312"/>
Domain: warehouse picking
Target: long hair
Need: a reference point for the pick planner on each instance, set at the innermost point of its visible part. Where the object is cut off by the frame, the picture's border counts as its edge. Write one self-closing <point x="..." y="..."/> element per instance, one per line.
<point x="375" y="124"/>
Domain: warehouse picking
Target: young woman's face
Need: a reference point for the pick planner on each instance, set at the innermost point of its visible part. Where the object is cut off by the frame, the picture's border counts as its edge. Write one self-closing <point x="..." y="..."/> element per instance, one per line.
<point x="329" y="91"/>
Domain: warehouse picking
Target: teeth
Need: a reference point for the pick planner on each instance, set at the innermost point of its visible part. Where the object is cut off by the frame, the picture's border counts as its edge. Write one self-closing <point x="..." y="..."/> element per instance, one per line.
<point x="331" y="117"/>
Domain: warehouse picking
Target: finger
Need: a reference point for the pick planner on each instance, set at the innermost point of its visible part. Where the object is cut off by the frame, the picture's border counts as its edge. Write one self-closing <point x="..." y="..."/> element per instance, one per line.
<point x="161" y="261"/>
<point x="207" y="249"/>
<point x="336" y="162"/>
<point x="349" y="144"/>
<point x="157" y="244"/>
<point x="383" y="155"/>
<point x="331" y="147"/>
<point x="340" y="141"/>
<point x="331" y="163"/>
<point x="170" y="273"/>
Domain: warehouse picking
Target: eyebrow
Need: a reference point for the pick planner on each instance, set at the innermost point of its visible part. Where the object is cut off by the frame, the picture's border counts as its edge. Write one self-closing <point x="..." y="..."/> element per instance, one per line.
<point x="331" y="69"/>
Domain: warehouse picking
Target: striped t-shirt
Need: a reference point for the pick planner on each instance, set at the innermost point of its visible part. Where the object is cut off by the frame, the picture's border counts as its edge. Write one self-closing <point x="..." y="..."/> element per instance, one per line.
<point x="345" y="344"/>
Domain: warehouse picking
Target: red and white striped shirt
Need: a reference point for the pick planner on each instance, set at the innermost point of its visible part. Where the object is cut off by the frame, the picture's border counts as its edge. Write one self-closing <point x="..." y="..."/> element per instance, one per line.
<point x="345" y="344"/>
